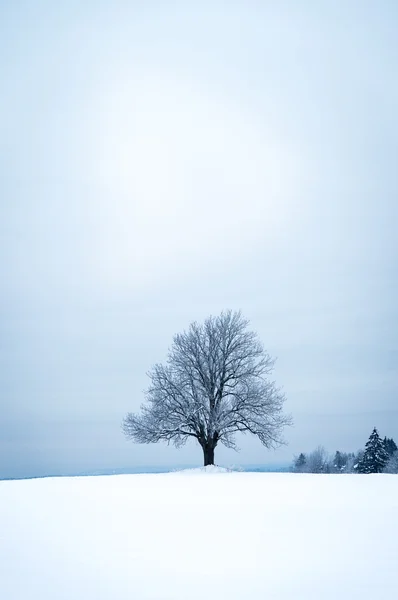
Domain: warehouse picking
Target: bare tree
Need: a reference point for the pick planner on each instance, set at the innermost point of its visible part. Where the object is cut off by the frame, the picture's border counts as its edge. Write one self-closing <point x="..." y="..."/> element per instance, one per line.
<point x="392" y="465"/>
<point x="215" y="384"/>
<point x="317" y="461"/>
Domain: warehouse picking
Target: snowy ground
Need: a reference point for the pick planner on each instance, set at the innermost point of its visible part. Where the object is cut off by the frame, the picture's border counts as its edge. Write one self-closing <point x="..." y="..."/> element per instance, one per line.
<point x="200" y="535"/>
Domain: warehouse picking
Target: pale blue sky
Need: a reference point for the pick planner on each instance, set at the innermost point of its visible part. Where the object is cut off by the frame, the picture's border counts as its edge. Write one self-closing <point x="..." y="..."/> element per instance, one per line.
<point x="162" y="161"/>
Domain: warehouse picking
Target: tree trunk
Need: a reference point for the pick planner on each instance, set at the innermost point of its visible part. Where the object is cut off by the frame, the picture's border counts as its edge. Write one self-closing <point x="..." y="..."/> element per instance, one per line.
<point x="208" y="455"/>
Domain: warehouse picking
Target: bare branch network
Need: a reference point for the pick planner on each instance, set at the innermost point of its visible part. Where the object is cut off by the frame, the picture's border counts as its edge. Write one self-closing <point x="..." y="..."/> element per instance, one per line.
<point x="215" y="384"/>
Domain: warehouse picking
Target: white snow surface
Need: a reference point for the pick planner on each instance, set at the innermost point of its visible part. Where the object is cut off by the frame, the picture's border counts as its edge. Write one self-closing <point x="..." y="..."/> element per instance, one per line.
<point x="188" y="536"/>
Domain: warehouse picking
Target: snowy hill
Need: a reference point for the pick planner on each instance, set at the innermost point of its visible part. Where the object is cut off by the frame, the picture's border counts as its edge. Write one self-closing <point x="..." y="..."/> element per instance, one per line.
<point x="188" y="535"/>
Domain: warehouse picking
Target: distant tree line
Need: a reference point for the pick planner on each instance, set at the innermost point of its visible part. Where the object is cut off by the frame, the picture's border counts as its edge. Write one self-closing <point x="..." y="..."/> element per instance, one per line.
<point x="378" y="456"/>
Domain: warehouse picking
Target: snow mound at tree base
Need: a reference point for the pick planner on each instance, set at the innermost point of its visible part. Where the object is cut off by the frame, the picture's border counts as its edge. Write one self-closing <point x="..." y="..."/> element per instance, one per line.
<point x="212" y="469"/>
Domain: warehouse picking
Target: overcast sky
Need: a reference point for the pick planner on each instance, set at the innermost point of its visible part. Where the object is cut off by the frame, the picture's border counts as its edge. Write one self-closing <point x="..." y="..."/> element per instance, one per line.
<point x="162" y="161"/>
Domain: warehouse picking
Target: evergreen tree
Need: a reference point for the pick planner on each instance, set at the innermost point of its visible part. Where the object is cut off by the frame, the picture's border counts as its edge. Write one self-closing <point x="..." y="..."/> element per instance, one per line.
<point x="375" y="456"/>
<point x="340" y="461"/>
<point x="353" y="462"/>
<point x="300" y="462"/>
<point x="390" y="446"/>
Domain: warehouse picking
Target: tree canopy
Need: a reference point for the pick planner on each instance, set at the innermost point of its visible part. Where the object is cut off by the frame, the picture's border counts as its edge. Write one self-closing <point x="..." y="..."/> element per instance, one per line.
<point x="214" y="385"/>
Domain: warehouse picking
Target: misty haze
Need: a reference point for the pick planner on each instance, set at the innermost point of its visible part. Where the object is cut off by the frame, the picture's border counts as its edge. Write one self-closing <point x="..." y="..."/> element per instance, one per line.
<point x="198" y="262"/>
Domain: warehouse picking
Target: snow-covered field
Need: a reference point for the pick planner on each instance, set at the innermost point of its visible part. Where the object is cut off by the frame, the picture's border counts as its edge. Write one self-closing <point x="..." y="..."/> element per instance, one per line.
<point x="192" y="535"/>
